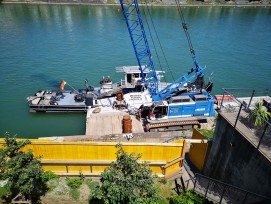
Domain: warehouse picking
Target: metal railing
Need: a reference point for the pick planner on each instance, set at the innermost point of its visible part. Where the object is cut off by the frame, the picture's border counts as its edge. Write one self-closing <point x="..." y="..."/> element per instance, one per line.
<point x="221" y="192"/>
<point x="244" y="105"/>
<point x="218" y="191"/>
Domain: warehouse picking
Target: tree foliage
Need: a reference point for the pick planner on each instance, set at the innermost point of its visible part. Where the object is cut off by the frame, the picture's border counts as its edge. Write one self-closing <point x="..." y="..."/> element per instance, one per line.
<point x="127" y="181"/>
<point x="259" y="114"/>
<point x="187" y="198"/>
<point x="22" y="170"/>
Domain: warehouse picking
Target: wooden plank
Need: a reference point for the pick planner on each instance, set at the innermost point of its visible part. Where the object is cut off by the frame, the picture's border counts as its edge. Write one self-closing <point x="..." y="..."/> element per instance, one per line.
<point x="196" y="141"/>
<point x="174" y="161"/>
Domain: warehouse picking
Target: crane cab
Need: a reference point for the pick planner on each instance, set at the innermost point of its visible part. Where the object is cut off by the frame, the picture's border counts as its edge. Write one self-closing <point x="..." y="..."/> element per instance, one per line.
<point x="183" y="106"/>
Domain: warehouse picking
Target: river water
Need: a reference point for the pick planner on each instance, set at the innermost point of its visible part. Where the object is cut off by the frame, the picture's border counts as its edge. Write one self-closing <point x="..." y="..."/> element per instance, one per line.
<point x="42" y="44"/>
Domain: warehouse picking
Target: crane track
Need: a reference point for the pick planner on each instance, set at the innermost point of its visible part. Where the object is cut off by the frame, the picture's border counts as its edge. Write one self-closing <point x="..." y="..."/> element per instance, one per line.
<point x="194" y="123"/>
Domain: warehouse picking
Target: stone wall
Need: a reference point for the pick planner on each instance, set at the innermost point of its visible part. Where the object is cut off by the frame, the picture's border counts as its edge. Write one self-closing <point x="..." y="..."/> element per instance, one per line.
<point x="234" y="160"/>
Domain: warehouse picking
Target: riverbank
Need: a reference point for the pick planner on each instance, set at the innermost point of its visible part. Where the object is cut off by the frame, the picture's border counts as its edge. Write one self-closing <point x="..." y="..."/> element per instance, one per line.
<point x="109" y="3"/>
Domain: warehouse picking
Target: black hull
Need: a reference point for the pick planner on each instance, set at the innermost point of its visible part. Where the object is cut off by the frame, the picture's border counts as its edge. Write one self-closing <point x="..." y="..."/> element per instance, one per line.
<point x="57" y="108"/>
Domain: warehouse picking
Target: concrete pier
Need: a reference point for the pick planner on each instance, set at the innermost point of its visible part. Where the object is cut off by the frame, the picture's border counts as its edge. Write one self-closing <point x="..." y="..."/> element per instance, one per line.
<point x="108" y="121"/>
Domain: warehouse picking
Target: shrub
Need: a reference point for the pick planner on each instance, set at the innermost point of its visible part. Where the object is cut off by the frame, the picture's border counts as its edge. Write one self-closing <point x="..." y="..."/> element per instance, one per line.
<point x="207" y="133"/>
<point x="48" y="175"/>
<point x="162" y="201"/>
<point x="88" y="181"/>
<point x="165" y="190"/>
<point x="187" y="197"/>
<point x="21" y="169"/>
<point x="93" y="185"/>
<point x="259" y="114"/>
<point x="74" y="183"/>
<point x="4" y="191"/>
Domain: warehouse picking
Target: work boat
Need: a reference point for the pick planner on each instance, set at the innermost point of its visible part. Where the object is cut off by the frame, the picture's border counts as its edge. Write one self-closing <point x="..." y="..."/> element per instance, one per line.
<point x="80" y="100"/>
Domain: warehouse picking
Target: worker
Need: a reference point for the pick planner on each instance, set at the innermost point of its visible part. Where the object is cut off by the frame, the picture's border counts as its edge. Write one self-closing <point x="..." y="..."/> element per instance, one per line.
<point x="102" y="81"/>
<point x="108" y="79"/>
<point x="140" y="110"/>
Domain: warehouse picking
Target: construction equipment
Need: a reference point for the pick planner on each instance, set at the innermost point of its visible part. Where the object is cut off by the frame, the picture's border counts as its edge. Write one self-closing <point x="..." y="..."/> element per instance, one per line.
<point x="186" y="97"/>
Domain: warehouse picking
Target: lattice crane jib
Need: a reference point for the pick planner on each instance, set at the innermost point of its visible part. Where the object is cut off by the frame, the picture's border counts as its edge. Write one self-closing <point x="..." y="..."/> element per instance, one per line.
<point x="139" y="40"/>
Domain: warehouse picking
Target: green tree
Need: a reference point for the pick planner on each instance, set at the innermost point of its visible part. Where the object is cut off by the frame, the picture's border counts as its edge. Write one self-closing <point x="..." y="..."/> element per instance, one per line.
<point x="22" y="170"/>
<point x="127" y="181"/>
<point x="259" y="114"/>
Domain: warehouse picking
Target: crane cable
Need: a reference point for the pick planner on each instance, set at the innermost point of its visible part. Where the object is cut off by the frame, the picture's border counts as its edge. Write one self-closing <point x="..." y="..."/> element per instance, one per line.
<point x="192" y="51"/>
<point x="148" y="10"/>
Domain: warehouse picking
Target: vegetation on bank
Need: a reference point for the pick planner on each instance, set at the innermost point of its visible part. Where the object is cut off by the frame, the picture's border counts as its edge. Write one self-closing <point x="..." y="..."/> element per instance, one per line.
<point x="125" y="181"/>
<point x="209" y="134"/>
<point x="21" y="171"/>
<point x="259" y="115"/>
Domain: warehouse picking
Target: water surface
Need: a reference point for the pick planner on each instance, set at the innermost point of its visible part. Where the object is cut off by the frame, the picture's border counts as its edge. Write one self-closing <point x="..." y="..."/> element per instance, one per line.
<point x="42" y="44"/>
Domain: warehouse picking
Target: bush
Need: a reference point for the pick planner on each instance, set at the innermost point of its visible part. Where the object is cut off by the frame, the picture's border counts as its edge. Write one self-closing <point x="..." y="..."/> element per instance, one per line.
<point x="4" y="191"/>
<point x="207" y="133"/>
<point x="48" y="175"/>
<point x="96" y="196"/>
<point x="259" y="115"/>
<point x="93" y="185"/>
<point x="88" y="181"/>
<point x="165" y="190"/>
<point x="74" y="183"/>
<point x="162" y="201"/>
<point x="187" y="197"/>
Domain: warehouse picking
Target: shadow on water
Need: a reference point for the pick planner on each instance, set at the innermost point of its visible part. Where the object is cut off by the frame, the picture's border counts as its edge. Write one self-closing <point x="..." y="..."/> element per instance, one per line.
<point x="46" y="79"/>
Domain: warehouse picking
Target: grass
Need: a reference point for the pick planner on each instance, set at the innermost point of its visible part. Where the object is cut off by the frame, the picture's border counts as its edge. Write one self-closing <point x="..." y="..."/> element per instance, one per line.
<point x="3" y="191"/>
<point x="75" y="194"/>
<point x="207" y="133"/>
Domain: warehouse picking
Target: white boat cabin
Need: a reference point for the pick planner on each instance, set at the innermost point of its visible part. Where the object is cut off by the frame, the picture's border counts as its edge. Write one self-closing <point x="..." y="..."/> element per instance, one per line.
<point x="132" y="75"/>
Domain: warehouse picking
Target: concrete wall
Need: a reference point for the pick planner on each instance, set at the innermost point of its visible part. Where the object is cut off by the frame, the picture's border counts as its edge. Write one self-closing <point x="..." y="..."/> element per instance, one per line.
<point x="236" y="161"/>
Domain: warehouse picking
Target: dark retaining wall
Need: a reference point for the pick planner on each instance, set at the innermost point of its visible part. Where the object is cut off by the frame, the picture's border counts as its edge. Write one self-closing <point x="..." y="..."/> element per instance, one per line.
<point x="239" y="164"/>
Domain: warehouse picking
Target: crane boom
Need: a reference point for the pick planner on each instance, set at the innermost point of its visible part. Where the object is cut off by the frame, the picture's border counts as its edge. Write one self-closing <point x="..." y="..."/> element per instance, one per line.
<point x="139" y="40"/>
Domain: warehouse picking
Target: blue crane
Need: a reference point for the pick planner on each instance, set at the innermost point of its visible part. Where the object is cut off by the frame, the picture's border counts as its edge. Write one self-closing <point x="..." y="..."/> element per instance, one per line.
<point x="139" y="40"/>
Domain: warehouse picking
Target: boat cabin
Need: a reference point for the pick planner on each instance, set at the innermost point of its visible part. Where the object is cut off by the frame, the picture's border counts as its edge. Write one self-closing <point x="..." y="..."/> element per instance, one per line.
<point x="132" y="76"/>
